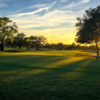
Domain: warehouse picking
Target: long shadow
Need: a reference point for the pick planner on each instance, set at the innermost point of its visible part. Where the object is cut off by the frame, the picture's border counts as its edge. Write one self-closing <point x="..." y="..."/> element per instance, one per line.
<point x="13" y="63"/>
<point x="80" y="80"/>
<point x="89" y="51"/>
<point x="30" y="59"/>
<point x="13" y="51"/>
<point x="90" y="80"/>
<point x="73" y="81"/>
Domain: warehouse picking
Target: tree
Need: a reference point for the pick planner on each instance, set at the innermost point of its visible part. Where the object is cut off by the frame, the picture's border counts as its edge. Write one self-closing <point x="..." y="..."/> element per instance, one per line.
<point x="89" y="27"/>
<point x="7" y="30"/>
<point x="53" y="46"/>
<point x="9" y="43"/>
<point x="40" y="41"/>
<point x="32" y="40"/>
<point x="47" y="45"/>
<point x="27" y="42"/>
<point x="73" y="46"/>
<point x="78" y="46"/>
<point x="60" y="46"/>
<point x="19" y="40"/>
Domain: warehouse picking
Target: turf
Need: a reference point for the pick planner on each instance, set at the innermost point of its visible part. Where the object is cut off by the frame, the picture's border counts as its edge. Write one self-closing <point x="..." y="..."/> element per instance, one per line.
<point x="49" y="75"/>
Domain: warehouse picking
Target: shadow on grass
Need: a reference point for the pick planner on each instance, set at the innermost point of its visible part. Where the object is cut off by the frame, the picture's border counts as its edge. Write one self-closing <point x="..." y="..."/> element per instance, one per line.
<point x="31" y="60"/>
<point x="73" y="81"/>
<point x="14" y="51"/>
<point x="89" y="51"/>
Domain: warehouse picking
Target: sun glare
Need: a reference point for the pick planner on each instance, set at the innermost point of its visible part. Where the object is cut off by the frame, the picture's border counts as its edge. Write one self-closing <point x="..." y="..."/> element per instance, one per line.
<point x="88" y="45"/>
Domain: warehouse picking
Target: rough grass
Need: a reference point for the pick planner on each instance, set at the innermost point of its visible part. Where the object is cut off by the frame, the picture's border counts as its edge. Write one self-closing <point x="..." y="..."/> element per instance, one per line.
<point x="49" y="75"/>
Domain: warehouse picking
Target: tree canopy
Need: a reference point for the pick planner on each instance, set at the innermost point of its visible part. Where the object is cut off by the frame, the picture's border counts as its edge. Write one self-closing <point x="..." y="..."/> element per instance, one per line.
<point x="19" y="39"/>
<point x="40" y="41"/>
<point x="89" y="27"/>
<point x="7" y="30"/>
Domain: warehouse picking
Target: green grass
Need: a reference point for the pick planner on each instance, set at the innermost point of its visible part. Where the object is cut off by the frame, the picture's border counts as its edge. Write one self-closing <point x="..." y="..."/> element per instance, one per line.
<point x="49" y="75"/>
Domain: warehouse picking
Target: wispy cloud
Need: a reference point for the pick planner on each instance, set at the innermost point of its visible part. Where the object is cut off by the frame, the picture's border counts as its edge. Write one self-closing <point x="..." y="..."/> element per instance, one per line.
<point x="3" y="5"/>
<point x="85" y="1"/>
<point x="15" y="5"/>
<point x="46" y="19"/>
<point x="41" y="5"/>
<point x="64" y="0"/>
<point x="47" y="5"/>
<point x="37" y="6"/>
<point x="50" y="20"/>
<point x="73" y="4"/>
<point x="31" y="13"/>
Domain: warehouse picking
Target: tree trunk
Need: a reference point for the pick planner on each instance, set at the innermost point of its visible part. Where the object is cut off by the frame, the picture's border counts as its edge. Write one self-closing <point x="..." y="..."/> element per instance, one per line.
<point x="19" y="47"/>
<point x="97" y="49"/>
<point x="12" y="46"/>
<point x="37" y="47"/>
<point x="27" y="48"/>
<point x="2" y="45"/>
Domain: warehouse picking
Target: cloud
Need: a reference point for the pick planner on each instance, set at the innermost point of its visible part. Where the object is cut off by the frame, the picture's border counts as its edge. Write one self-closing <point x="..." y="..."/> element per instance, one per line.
<point x="85" y="1"/>
<point x="73" y="4"/>
<point x="50" y="20"/>
<point x="30" y="7"/>
<point x="15" y="5"/>
<point x="53" y="23"/>
<point x="54" y="2"/>
<point x="64" y="0"/>
<point x="3" y="5"/>
<point x="36" y="6"/>
<point x="42" y="5"/>
<point x="31" y="13"/>
<point x="54" y="35"/>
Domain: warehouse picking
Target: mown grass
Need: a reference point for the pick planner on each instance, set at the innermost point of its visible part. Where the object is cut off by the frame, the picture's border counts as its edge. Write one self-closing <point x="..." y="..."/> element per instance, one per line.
<point x="49" y="75"/>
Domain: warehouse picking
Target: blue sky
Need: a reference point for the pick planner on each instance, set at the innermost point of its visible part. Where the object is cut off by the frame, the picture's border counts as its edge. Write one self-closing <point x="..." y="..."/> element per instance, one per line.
<point x="54" y="19"/>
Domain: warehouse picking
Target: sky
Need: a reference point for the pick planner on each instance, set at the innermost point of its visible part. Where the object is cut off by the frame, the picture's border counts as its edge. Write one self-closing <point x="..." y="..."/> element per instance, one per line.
<point x="54" y="19"/>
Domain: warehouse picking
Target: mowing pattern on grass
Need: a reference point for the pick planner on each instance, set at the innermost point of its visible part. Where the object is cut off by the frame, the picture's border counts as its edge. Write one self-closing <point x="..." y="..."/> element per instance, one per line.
<point x="43" y="76"/>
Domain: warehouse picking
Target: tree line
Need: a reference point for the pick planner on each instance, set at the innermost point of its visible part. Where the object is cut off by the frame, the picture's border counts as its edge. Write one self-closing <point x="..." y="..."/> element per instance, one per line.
<point x="10" y="36"/>
<point x="29" y="42"/>
<point x="39" y="41"/>
<point x="73" y="46"/>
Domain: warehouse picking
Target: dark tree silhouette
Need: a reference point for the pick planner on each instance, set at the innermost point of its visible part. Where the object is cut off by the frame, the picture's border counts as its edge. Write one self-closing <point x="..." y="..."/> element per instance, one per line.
<point x="89" y="27"/>
<point x="73" y="46"/>
<point x="60" y="46"/>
